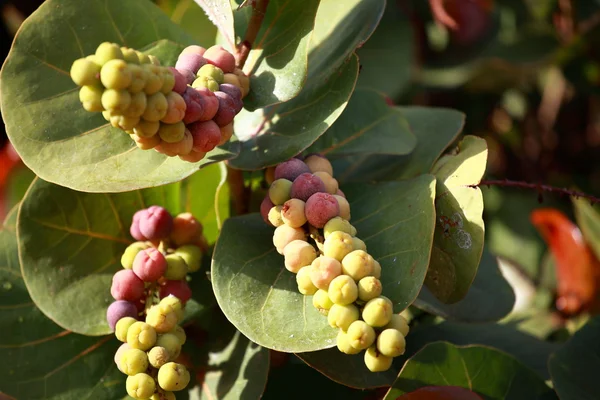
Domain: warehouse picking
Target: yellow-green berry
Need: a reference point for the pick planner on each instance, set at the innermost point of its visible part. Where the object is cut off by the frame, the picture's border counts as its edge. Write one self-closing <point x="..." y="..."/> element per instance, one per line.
<point x="130" y="252"/>
<point x="139" y="77"/>
<point x="107" y="51"/>
<point x="337" y="245"/>
<point x="369" y="287"/>
<point x="358" y="244"/>
<point x="378" y="312"/>
<point x="391" y="343"/>
<point x="274" y="216"/>
<point x="130" y="55"/>
<point x="173" y="377"/>
<point x="344" y="207"/>
<point x="205" y="82"/>
<point x="279" y="192"/>
<point x="161" y="317"/>
<point x="343" y="290"/>
<point x="116" y="101"/>
<point x="116" y="74"/>
<point x="376" y="269"/>
<point x="122" y="327"/>
<point x="322" y="302"/>
<point x="140" y="386"/>
<point x="180" y="333"/>
<point x="337" y="224"/>
<point x="146" y="129"/>
<point x="175" y="304"/>
<point x="141" y="336"/>
<point x="158" y="356"/>
<point x="85" y="72"/>
<point x="137" y="106"/>
<point x="360" y="335"/>
<point x="156" y="107"/>
<point x="305" y="285"/>
<point x="192" y="255"/>
<point x="212" y="71"/>
<point x="172" y="133"/>
<point x="170" y="342"/>
<point x="377" y="362"/>
<point x="399" y="323"/>
<point x="91" y="98"/>
<point x="176" y="267"/>
<point x="133" y="361"/>
<point x="342" y="316"/>
<point x="343" y="343"/>
<point x="357" y="264"/>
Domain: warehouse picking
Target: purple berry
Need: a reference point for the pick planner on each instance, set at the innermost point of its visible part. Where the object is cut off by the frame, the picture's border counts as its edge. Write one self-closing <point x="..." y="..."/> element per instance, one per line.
<point x="305" y="185"/>
<point x="149" y="265"/>
<point x="188" y="75"/>
<point x="201" y="105"/>
<point x="126" y="285"/>
<point x="227" y="109"/>
<point x="191" y="61"/>
<point x="291" y="169"/>
<point x="120" y="309"/>
<point x="180" y="81"/>
<point x="179" y="289"/>
<point x="265" y="207"/>
<point x="134" y="229"/>
<point x="320" y="208"/>
<point x="235" y="93"/>
<point x="156" y="224"/>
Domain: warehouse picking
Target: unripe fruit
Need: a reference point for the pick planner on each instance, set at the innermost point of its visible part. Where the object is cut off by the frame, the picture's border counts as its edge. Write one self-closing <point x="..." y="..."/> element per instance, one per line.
<point x="180" y="148"/>
<point x="331" y="184"/>
<point x="154" y="79"/>
<point x="298" y="254"/>
<point x="146" y="129"/>
<point x="343" y="343"/>
<point x="369" y="288"/>
<point x="291" y="169"/>
<point x="156" y="107"/>
<point x="193" y="156"/>
<point x="119" y="353"/>
<point x="130" y="55"/>
<point x="292" y="213"/>
<point x="175" y="305"/>
<point x="154" y="60"/>
<point x="85" y="72"/>
<point x="133" y="361"/>
<point x="211" y="71"/>
<point x="176" y="267"/>
<point x="228" y="108"/>
<point x="318" y="163"/>
<point x="232" y="79"/>
<point x="205" y="82"/>
<point x="162" y="318"/>
<point x="342" y="316"/>
<point x="115" y="74"/>
<point x="118" y="310"/>
<point x="244" y="81"/>
<point x="140" y="386"/>
<point x="343" y="290"/>
<point x="158" y="356"/>
<point x="172" y="133"/>
<point x="265" y="207"/>
<point x="344" y="206"/>
<point x="399" y="323"/>
<point x="107" y="51"/>
<point x="320" y="208"/>
<point x="391" y="343"/>
<point x="163" y="395"/>
<point x="284" y="235"/>
<point x="141" y="336"/>
<point x="377" y="362"/>
<point x="142" y="58"/>
<point x="156" y="224"/>
<point x="173" y="377"/>
<point x="190" y="61"/>
<point x="235" y="93"/>
<point x="179" y="289"/>
<point x="131" y="252"/>
<point x="149" y="265"/>
<point x="139" y="77"/>
<point x="323" y="270"/>
<point x="123" y="122"/>
<point x="171" y="343"/>
<point x="358" y="244"/>
<point x="376" y="269"/>
<point x="338" y="224"/>
<point x="168" y="81"/>
<point x="357" y="264"/>
<point x="226" y="133"/>
<point x="360" y="335"/>
<point x="180" y="81"/>
<point x="175" y="108"/>
<point x="305" y="185"/>
<point x="116" y="101"/>
<point x="322" y="302"/>
<point x="279" y="192"/>
<point x="126" y="286"/>
<point x="146" y="143"/>
<point x="378" y="312"/>
<point x="337" y="245"/>
<point x="275" y="216"/>
<point x="180" y="333"/>
<point x="91" y="98"/>
<point x="192" y="255"/>
<point x="305" y="285"/>
<point x="220" y="57"/>
<point x="122" y="326"/>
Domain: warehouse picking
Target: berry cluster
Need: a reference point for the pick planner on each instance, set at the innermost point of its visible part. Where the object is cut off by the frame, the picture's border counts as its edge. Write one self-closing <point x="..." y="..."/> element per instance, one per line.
<point x="304" y="201"/>
<point x="184" y="111"/>
<point x="151" y="287"/>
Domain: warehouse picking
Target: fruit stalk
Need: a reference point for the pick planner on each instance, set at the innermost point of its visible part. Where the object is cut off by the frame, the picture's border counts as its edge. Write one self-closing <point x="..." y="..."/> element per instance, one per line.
<point x="259" y="9"/>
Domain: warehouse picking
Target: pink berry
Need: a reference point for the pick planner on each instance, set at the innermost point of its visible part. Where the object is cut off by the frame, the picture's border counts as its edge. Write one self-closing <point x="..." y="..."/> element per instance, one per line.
<point x="320" y="208"/>
<point x="180" y="81"/>
<point x="134" y="229"/>
<point x="291" y="169"/>
<point x="156" y="224"/>
<point x="227" y="109"/>
<point x="305" y="185"/>
<point x="194" y="49"/>
<point x="179" y="289"/>
<point x="126" y="285"/>
<point x="188" y="75"/>
<point x="201" y="105"/>
<point x="219" y="57"/>
<point x="265" y="207"/>
<point x="340" y="193"/>
<point x="149" y="265"/>
<point x="206" y="135"/>
<point x="120" y="309"/>
<point x="235" y="93"/>
<point x="190" y="61"/>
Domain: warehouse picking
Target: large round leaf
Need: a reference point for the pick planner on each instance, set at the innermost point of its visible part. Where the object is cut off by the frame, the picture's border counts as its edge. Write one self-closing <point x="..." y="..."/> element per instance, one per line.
<point x="55" y="136"/>
<point x="220" y="13"/>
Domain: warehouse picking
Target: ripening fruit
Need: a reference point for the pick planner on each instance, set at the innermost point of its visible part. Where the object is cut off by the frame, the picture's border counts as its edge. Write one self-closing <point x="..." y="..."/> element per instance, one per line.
<point x="171" y="343"/>
<point x="126" y="285"/>
<point x="357" y="264"/>
<point x="292" y="213"/>
<point x="323" y="270"/>
<point x="320" y="208"/>
<point x="297" y="254"/>
<point x="107" y="51"/>
<point x="244" y="81"/>
<point x="391" y="343"/>
<point x="116" y="101"/>
<point x="331" y="184"/>
<point x="338" y="224"/>
<point x="360" y="335"/>
<point x="156" y="223"/>
<point x="120" y="309"/>
<point x="284" y="235"/>
<point x="156" y="107"/>
<point x="193" y="49"/>
<point x="123" y="122"/>
<point x="158" y="356"/>
<point x="275" y="216"/>
<point x="279" y="192"/>
<point x="175" y="108"/>
<point x="212" y="72"/>
<point x="342" y="316"/>
<point x="305" y="185"/>
<point x="359" y="245"/>
<point x="179" y="289"/>
<point x="149" y="265"/>
<point x="180" y="82"/>
<point x="176" y="267"/>
<point x="305" y="285"/>
<point x="206" y="135"/>
<point x="130" y="55"/>
<point x="137" y="106"/>
<point x="232" y="79"/>
<point x="235" y="93"/>
<point x="146" y="143"/>
<point x="116" y="74"/>
<point x="91" y="98"/>
<point x="193" y="156"/>
<point x="201" y="105"/>
<point x="122" y="349"/>
<point x="133" y="361"/>
<point x="228" y="108"/>
<point x="188" y="75"/>
<point x="180" y="148"/>
<point x="399" y="323"/>
<point x="343" y="343"/>
<point x="85" y="72"/>
<point x="369" y="287"/>
<point x="161" y="317"/>
<point x="205" y="82"/>
<point x="190" y="61"/>
<point x="154" y="79"/>
<point x="220" y="57"/>
<point x="226" y="133"/>
<point x="291" y="169"/>
<point x="378" y="312"/>
<point x="172" y="133"/>
<point x="141" y="336"/>
<point x="140" y="386"/>
<point x="186" y="229"/>
<point x="322" y="302"/>
<point x="376" y="269"/>
<point x="122" y="327"/>
<point x="175" y="304"/>
<point x="343" y="290"/>
<point x="192" y="255"/>
<point x="168" y="81"/>
<point x="134" y="229"/>
<point x="377" y="362"/>
<point x="173" y="377"/>
<point x="337" y="245"/>
<point x="130" y="252"/>
<point x="318" y="163"/>
<point x="265" y="207"/>
<point x="344" y="206"/>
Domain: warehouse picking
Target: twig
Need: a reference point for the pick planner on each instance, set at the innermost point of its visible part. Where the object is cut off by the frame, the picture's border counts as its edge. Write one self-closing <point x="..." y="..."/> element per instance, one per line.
<point x="259" y="9"/>
<point x="539" y="188"/>
<point x="240" y="195"/>
<point x="441" y="15"/>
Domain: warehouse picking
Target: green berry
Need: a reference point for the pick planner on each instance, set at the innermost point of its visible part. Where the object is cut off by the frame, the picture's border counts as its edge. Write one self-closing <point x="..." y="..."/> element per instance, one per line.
<point x="85" y="72"/>
<point x="192" y="255"/>
<point x="116" y="101"/>
<point x="180" y="333"/>
<point x="377" y="362"/>
<point x="358" y="244"/>
<point x="322" y="302"/>
<point x="161" y="317"/>
<point x="137" y="106"/>
<point x="205" y="82"/>
<point x="176" y="267"/>
<point x="369" y="287"/>
<point x="391" y="343"/>
<point x="338" y="224"/>
<point x="172" y="133"/>
<point x="344" y="207"/>
<point x="173" y="377"/>
<point x="343" y="343"/>
<point x="158" y="356"/>
<point x="274" y="216"/>
<point x="139" y="77"/>
<point x="130" y="55"/>
<point x="284" y="235"/>
<point x="170" y="342"/>
<point x="156" y="107"/>
<point x="108" y="51"/>
<point x="154" y="60"/>
<point x="115" y="74"/>
<point x="279" y="192"/>
<point x="305" y="285"/>
<point x="292" y="213"/>
<point x="133" y="361"/>
<point x="141" y="336"/>
<point x="91" y="98"/>
<point x="357" y="264"/>
<point x="212" y="71"/>
<point x="378" y="312"/>
<point x="122" y="327"/>
<point x="342" y="290"/>
<point x="154" y="79"/>
<point x="168" y="81"/>
<point x="399" y="323"/>
<point x="175" y="304"/>
<point x="337" y="245"/>
<point x="140" y="386"/>
<point x="130" y="252"/>
<point x="143" y="58"/>
<point x="376" y="269"/>
<point x="360" y="335"/>
<point x="146" y="129"/>
<point x="162" y="395"/>
<point x="123" y="122"/>
<point x="298" y="254"/>
<point x="323" y="270"/>
<point x="342" y="316"/>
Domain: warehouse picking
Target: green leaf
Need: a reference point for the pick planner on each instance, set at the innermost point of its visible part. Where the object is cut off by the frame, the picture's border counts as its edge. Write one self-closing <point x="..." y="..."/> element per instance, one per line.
<point x="459" y="232"/>
<point x="434" y="128"/>
<point x="63" y="143"/>
<point x="588" y="220"/>
<point x="489" y="298"/>
<point x="259" y="296"/>
<point x="486" y="371"/>
<point x="42" y="359"/>
<point x="367" y="125"/>
<point x="192" y="19"/>
<point x="440" y="393"/>
<point x="573" y="366"/>
<point x="220" y="13"/>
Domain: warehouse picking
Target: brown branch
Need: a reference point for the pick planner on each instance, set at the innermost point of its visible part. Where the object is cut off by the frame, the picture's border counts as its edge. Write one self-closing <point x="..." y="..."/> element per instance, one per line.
<point x="259" y="9"/>
<point x="539" y="188"/>
<point x="240" y="195"/>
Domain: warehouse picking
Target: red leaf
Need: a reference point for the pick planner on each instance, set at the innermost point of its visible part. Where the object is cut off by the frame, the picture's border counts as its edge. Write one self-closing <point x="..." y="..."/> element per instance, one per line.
<point x="440" y="393"/>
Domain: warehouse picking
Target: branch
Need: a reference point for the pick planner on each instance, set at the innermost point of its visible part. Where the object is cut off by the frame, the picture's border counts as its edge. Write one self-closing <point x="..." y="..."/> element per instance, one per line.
<point x="259" y="9"/>
<point x="539" y="188"/>
<point x="240" y="195"/>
